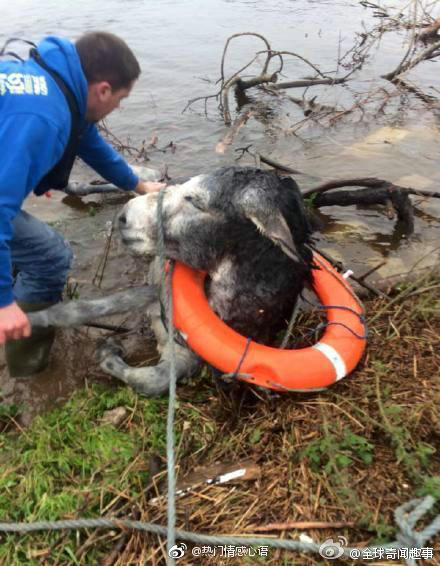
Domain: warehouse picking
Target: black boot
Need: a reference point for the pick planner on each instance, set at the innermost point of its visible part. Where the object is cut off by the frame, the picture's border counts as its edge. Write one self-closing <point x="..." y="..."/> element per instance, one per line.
<point x="27" y="356"/>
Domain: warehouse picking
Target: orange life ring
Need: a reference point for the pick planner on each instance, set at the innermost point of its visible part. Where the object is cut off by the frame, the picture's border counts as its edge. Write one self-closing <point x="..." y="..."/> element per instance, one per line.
<point x="335" y="355"/>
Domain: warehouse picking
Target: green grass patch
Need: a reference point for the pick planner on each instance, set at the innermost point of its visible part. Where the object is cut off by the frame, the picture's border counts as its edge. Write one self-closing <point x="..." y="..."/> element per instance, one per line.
<point x="68" y="461"/>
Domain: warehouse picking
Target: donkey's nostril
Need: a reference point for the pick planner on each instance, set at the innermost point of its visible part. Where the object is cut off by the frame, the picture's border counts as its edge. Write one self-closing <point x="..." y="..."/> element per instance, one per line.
<point x="122" y="219"/>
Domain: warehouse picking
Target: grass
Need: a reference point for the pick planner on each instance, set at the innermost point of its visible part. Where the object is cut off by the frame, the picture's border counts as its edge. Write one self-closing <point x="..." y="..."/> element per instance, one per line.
<point x="351" y="455"/>
<point x="334" y="451"/>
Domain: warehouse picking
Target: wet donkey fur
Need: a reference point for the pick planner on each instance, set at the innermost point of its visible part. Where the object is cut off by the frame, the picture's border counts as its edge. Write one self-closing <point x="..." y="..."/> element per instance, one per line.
<point x="249" y="230"/>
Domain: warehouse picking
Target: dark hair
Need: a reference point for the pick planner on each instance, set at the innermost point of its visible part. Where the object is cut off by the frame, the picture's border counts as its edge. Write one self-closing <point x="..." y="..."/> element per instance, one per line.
<point x="106" y="57"/>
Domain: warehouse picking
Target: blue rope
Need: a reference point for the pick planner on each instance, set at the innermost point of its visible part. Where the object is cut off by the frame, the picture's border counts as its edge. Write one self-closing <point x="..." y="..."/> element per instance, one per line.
<point x="322" y="325"/>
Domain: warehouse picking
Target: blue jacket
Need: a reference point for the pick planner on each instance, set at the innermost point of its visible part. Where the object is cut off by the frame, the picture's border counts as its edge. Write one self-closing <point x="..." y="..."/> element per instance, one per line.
<point x="34" y="131"/>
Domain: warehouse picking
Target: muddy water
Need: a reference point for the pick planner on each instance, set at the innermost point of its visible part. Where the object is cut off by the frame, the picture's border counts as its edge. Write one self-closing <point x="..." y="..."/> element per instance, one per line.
<point x="179" y="44"/>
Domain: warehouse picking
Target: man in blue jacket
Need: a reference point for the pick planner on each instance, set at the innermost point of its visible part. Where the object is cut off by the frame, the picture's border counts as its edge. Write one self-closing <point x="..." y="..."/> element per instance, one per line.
<point x="49" y="107"/>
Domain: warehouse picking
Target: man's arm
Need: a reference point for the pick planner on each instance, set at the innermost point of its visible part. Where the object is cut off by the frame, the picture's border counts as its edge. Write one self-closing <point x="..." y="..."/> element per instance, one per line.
<point x="30" y="147"/>
<point x="100" y="155"/>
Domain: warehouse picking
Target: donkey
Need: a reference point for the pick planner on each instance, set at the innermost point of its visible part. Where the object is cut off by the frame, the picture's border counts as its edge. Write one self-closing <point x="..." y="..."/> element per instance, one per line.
<point x="247" y="228"/>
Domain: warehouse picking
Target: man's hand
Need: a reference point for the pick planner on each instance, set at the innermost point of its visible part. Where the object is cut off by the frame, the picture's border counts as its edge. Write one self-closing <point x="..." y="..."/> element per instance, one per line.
<point x="144" y="187"/>
<point x="14" y="324"/>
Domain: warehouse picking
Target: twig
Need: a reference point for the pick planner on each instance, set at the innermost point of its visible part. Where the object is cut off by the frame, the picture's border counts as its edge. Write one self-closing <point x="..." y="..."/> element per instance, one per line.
<point x="111" y="558"/>
<point x="226" y="85"/>
<point x="371" y="271"/>
<point x="360" y="280"/>
<point x="427" y="98"/>
<point x="403" y="67"/>
<point x="246" y="33"/>
<point x="236" y="126"/>
<point x="300" y="525"/>
<point x="279" y="166"/>
<point x="241" y="85"/>
<point x="267" y="160"/>
<point x="305" y="83"/>
<point x="99" y="275"/>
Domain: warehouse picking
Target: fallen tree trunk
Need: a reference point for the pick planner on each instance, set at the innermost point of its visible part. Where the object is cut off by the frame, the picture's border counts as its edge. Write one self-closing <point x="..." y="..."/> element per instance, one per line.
<point x="377" y="191"/>
<point x="381" y="195"/>
<point x="367" y="182"/>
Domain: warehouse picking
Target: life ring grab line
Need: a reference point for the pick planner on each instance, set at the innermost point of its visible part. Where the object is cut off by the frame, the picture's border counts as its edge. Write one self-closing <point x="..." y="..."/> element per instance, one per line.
<point x="341" y="278"/>
<point x="317" y="366"/>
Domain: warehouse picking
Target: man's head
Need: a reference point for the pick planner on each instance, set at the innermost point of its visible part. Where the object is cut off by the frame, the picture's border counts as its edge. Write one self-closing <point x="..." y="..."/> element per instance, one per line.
<point x="110" y="68"/>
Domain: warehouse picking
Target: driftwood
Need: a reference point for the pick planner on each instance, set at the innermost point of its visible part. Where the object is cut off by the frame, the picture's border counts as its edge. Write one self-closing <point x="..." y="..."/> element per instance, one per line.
<point x="266" y="76"/>
<point x="424" y="29"/>
<point x="417" y="92"/>
<point x="312" y="82"/>
<point x="378" y="191"/>
<point x="232" y="132"/>
<point x="430" y="32"/>
<point x="381" y="195"/>
<point x="404" y="66"/>
<point x="366" y="182"/>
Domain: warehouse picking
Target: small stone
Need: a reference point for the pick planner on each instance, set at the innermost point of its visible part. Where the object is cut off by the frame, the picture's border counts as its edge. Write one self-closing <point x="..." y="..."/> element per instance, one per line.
<point x="114" y="416"/>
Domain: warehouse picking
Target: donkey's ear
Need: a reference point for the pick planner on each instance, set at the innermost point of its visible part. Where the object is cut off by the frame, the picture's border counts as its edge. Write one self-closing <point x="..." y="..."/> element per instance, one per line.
<point x="263" y="211"/>
<point x="275" y="228"/>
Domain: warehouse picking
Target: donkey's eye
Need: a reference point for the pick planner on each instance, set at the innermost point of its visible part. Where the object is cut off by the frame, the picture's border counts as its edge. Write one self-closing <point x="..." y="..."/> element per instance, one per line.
<point x="194" y="202"/>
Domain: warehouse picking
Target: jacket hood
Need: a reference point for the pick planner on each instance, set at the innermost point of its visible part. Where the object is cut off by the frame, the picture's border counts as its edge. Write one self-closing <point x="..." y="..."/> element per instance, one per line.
<point x="61" y="56"/>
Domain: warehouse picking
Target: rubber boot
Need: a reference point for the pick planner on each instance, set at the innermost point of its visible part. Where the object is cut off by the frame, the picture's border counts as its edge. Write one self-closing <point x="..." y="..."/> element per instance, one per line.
<point x="28" y="356"/>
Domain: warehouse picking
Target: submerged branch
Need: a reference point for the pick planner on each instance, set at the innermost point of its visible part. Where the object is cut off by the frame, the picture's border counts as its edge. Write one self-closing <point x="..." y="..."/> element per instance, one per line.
<point x="264" y="77"/>
<point x="307" y="83"/>
<point x="233" y="131"/>
<point x="377" y="191"/>
<point x="381" y="195"/>
<point x="267" y="160"/>
<point x="367" y="182"/>
<point x="403" y="67"/>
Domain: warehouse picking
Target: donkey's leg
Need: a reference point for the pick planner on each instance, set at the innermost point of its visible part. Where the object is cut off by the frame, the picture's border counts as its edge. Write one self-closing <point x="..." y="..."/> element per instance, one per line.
<point x="75" y="313"/>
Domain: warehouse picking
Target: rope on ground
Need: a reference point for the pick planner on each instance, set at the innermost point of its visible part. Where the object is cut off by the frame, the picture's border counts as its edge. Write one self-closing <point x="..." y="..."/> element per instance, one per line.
<point x="406" y="516"/>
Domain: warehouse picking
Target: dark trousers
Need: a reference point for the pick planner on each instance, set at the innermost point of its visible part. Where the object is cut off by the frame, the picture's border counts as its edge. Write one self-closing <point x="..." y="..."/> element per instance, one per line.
<point x="41" y="258"/>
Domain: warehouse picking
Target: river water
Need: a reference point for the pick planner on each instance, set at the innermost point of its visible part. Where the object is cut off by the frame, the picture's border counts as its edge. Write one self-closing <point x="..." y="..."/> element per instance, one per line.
<point x="179" y="44"/>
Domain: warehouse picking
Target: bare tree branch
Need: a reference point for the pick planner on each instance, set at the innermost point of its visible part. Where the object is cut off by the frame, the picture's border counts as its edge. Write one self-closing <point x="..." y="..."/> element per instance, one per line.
<point x="306" y="83"/>
<point x="236" y="127"/>
<point x="367" y="182"/>
<point x="403" y="67"/>
<point x="246" y="33"/>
